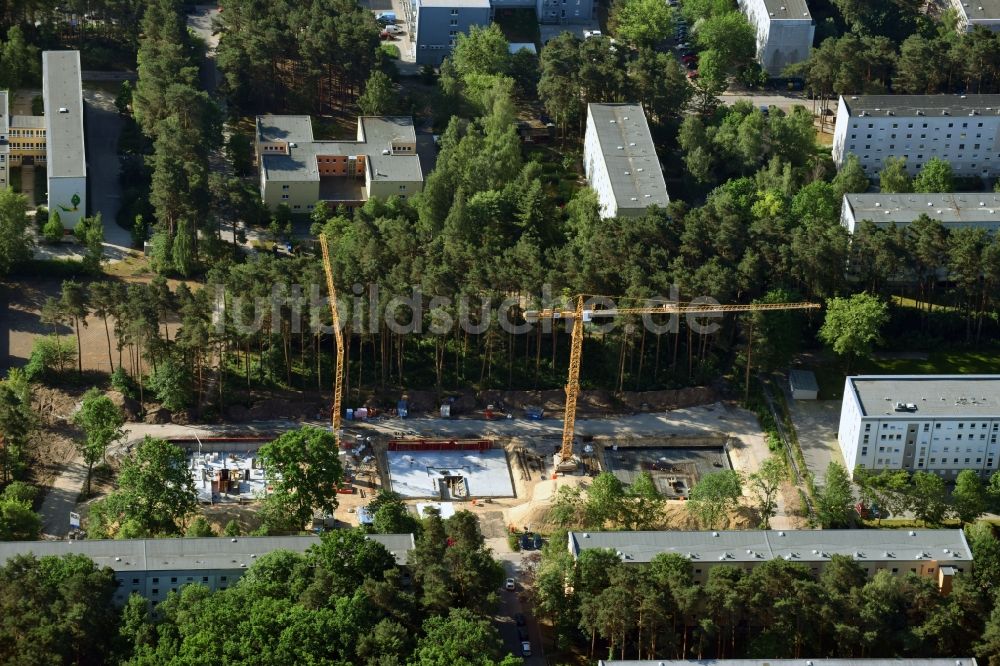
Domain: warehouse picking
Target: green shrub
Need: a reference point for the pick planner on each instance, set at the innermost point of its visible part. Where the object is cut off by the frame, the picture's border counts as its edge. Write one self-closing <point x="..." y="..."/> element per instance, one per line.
<point x="49" y="355"/>
<point x="53" y="229"/>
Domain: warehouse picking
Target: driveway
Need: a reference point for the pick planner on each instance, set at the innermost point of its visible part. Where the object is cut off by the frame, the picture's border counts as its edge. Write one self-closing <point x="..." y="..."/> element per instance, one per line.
<point x="103" y="125"/>
<point x="785" y="101"/>
<point x="510" y="604"/>
<point x="816" y="423"/>
<point x="200" y="22"/>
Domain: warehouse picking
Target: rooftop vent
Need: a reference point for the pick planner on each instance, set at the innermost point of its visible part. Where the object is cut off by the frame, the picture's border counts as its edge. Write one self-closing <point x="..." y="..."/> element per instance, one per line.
<point x="613" y="121"/>
<point x="292" y="144"/>
<point x="715" y="534"/>
<point x="63" y="109"/>
<point x="621" y="147"/>
<point x="912" y="533"/>
<point x="781" y="534"/>
<point x="233" y="540"/>
<point x="628" y="173"/>
<point x="386" y="152"/>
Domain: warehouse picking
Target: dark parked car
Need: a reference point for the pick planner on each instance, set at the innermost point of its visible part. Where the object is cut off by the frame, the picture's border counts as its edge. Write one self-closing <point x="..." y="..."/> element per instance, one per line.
<point x="527" y="541"/>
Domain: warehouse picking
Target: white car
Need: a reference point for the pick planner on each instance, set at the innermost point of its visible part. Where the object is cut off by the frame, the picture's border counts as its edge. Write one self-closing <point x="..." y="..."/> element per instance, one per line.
<point x="525" y="648"/>
<point x="393" y="29"/>
<point x="509" y="584"/>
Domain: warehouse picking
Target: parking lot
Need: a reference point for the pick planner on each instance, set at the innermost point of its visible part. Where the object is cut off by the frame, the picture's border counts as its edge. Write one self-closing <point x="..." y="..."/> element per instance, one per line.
<point x="404" y="22"/>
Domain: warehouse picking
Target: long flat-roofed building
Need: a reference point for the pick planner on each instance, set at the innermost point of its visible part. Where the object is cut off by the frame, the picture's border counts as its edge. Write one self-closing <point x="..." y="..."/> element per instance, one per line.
<point x="939" y="554"/>
<point x="954" y="211"/>
<point x="437" y="24"/>
<point x="299" y="171"/>
<point x="62" y="95"/>
<point x="155" y="567"/>
<point x="620" y="160"/>
<point x="934" y="423"/>
<point x="982" y="13"/>
<point x="784" y="31"/>
<point x="948" y="661"/>
<point x="964" y="130"/>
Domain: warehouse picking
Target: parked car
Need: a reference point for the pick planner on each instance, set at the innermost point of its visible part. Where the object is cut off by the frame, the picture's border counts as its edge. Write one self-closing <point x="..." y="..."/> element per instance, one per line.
<point x="527" y="541"/>
<point x="509" y="584"/>
<point x="525" y="648"/>
<point x="587" y="34"/>
<point x="536" y="541"/>
<point x="393" y="29"/>
<point x="693" y="74"/>
<point x="386" y="17"/>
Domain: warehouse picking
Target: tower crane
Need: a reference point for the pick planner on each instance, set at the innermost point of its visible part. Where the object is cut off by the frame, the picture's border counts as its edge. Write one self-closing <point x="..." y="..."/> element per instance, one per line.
<point x="579" y="315"/>
<point x="338" y="382"/>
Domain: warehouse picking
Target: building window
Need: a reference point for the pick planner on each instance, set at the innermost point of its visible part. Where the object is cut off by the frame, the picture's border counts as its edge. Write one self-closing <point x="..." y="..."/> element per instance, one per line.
<point x="155" y="591"/>
<point x="284" y="196"/>
<point x="135" y="581"/>
<point x="173" y="580"/>
<point x="156" y="580"/>
<point x="454" y="22"/>
<point x="204" y="579"/>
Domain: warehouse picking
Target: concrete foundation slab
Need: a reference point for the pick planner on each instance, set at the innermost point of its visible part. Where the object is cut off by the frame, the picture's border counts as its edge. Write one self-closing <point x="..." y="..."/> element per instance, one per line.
<point x="450" y="474"/>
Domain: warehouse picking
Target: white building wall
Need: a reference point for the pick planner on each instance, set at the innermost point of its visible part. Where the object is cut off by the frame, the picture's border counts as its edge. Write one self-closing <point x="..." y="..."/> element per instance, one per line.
<point x="969" y="143"/>
<point x="847" y="219"/>
<point x="943" y="445"/>
<point x="596" y="170"/>
<point x="840" y="132"/>
<point x="780" y="41"/>
<point x="61" y="192"/>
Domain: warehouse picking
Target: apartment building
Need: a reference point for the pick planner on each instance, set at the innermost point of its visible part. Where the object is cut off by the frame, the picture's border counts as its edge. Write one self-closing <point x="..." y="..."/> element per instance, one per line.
<point x="437" y="24"/>
<point x="937" y="554"/>
<point x="953" y="211"/>
<point x="54" y="140"/>
<point x="962" y="129"/>
<point x="932" y="423"/>
<point x="785" y="31"/>
<point x="299" y="171"/>
<point x="982" y="13"/>
<point x="620" y="160"/>
<point x="155" y="567"/>
<point x="947" y="661"/>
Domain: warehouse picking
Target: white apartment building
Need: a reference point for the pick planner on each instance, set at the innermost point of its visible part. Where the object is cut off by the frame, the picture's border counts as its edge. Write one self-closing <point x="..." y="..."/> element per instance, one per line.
<point x="620" y="160"/>
<point x="936" y="554"/>
<point x="153" y="568"/>
<point x="978" y="210"/>
<point x="972" y="13"/>
<point x="945" y="661"/>
<point x="962" y="129"/>
<point x="933" y="423"/>
<point x="784" y="30"/>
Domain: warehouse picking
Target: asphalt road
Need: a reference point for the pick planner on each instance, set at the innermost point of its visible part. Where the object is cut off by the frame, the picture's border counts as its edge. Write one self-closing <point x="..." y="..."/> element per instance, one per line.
<point x="511" y="604"/>
<point x="103" y="126"/>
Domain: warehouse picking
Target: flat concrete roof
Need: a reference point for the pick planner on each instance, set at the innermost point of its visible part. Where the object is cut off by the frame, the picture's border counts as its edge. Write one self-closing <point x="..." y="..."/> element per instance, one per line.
<point x="979" y="10"/>
<point x="284" y="128"/>
<point x="418" y="473"/>
<point x="793" y="545"/>
<point x="927" y="105"/>
<point x="803" y="379"/>
<point x="788" y="9"/>
<point x="27" y="122"/>
<point x="300" y="163"/>
<point x="934" y="395"/>
<point x="62" y="89"/>
<point x="957" y="209"/>
<point x="186" y="553"/>
<point x="946" y="661"/>
<point x="627" y="146"/>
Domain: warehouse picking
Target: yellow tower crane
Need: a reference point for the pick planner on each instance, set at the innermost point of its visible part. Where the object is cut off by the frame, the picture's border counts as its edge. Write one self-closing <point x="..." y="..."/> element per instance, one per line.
<point x="579" y="315"/>
<point x="338" y="382"/>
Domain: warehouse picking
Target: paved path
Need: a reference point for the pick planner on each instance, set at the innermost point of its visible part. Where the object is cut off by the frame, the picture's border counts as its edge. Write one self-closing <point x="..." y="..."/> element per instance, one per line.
<point x="61" y="498"/>
<point x="103" y="127"/>
<point x="93" y="75"/>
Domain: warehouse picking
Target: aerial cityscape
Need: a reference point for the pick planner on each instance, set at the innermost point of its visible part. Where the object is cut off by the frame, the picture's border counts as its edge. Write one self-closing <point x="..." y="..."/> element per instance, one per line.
<point x="495" y="332"/>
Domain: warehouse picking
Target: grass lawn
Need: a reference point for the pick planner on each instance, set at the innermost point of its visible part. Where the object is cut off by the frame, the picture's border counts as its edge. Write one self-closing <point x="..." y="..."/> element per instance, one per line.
<point x="830" y="375"/>
<point x="519" y="25"/>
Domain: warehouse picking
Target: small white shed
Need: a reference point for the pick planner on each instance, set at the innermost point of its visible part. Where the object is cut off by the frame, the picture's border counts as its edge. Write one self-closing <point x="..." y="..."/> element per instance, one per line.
<point x="803" y="384"/>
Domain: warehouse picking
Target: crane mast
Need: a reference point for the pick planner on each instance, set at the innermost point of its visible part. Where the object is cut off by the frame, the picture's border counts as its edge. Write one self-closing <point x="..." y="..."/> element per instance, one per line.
<point x="578" y="315"/>
<point x="338" y="382"/>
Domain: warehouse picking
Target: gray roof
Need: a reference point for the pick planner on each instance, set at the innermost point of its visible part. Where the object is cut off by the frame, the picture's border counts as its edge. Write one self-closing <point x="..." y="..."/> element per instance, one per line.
<point x="61" y="89"/>
<point x="186" y="553"/>
<point x="284" y="128"/>
<point x="979" y="10"/>
<point x="30" y="122"/>
<point x="927" y="105"/>
<point x="300" y="162"/>
<point x="788" y="9"/>
<point x="794" y="545"/>
<point x="948" y="661"/>
<point x="627" y="146"/>
<point x="934" y="395"/>
<point x="948" y="209"/>
<point x="803" y="379"/>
